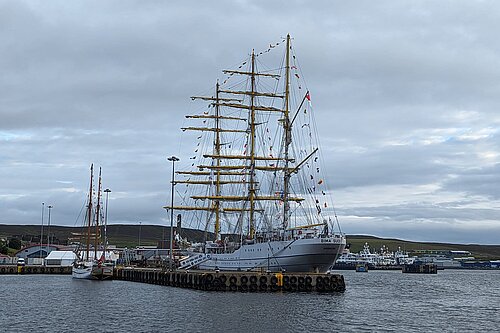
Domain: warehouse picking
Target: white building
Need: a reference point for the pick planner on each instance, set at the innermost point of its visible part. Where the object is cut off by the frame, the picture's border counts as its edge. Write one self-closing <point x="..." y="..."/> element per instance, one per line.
<point x="60" y="258"/>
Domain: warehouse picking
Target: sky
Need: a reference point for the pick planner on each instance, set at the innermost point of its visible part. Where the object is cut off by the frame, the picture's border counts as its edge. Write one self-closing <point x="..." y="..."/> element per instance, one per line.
<point x="407" y="95"/>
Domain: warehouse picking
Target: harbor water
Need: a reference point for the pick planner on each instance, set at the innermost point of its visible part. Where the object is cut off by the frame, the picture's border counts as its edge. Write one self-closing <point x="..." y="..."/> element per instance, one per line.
<point x="389" y="301"/>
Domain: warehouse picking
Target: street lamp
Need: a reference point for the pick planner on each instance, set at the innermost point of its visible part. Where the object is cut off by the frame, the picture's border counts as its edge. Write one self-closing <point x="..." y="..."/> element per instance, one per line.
<point x="48" y="229"/>
<point x="140" y="225"/>
<point x="173" y="159"/>
<point x="41" y="232"/>
<point x="107" y="191"/>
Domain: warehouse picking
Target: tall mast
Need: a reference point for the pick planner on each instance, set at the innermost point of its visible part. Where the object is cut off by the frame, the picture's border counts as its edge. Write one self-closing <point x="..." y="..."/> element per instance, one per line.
<point x="288" y="135"/>
<point x="98" y="214"/>
<point x="217" y="153"/>
<point x="251" y="189"/>
<point x="250" y="162"/>
<point x="89" y="211"/>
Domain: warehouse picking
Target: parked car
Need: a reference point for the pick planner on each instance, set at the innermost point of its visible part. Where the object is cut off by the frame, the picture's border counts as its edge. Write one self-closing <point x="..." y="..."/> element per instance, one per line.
<point x="20" y="262"/>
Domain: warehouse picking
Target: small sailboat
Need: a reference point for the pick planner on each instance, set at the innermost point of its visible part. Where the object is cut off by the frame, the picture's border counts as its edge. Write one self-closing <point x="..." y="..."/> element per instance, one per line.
<point x="92" y="263"/>
<point x="257" y="183"/>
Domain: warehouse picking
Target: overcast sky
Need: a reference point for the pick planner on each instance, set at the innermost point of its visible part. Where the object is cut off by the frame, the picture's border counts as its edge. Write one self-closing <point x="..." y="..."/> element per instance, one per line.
<point x="407" y="94"/>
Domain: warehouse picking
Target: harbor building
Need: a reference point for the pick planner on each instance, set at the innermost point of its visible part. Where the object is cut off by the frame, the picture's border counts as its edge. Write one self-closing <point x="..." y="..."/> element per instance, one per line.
<point x="60" y="258"/>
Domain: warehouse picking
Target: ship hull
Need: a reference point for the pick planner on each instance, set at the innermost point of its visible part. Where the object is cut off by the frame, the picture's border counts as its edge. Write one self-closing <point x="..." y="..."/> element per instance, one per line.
<point x="82" y="271"/>
<point x="91" y="271"/>
<point x="299" y="255"/>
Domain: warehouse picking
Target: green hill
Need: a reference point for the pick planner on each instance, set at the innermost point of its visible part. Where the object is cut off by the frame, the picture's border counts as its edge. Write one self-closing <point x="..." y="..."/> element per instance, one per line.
<point x="123" y="235"/>
<point x="120" y="235"/>
<point x="479" y="251"/>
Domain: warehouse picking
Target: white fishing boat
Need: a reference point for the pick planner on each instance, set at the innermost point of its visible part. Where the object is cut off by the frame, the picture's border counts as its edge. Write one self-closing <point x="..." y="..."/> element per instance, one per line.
<point x="383" y="258"/>
<point x="256" y="181"/>
<point x="92" y="263"/>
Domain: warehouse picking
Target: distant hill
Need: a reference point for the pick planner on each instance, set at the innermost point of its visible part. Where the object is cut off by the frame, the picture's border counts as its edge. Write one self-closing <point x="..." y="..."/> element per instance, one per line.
<point x="120" y="235"/>
<point x="123" y="235"/>
<point x="375" y="243"/>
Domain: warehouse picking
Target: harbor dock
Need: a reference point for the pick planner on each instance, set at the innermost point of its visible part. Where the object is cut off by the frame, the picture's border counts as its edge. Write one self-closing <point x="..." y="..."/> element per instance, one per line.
<point x="34" y="269"/>
<point x="235" y="281"/>
<point x="420" y="268"/>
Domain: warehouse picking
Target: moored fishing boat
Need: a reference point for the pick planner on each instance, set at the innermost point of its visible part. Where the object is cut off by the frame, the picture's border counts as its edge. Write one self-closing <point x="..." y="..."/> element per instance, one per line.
<point x="258" y="185"/>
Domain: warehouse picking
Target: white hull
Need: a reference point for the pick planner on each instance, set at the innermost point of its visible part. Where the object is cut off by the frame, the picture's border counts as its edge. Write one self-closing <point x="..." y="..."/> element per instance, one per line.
<point x="299" y="255"/>
<point x="83" y="271"/>
<point x="91" y="271"/>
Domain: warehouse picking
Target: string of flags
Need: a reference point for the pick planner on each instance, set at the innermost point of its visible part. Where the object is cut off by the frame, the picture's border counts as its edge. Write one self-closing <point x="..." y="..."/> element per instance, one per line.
<point x="316" y="182"/>
<point x="271" y="46"/>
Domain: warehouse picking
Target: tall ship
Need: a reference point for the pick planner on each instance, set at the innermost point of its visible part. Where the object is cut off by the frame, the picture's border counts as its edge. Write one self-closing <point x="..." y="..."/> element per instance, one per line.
<point x="91" y="263"/>
<point x="255" y="182"/>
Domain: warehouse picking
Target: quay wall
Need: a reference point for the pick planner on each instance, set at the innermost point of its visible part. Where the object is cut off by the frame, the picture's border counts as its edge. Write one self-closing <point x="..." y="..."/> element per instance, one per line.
<point x="235" y="281"/>
<point x="34" y="269"/>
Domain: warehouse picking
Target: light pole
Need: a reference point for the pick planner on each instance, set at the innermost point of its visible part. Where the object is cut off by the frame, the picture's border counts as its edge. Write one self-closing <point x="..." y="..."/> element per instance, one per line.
<point x="48" y="229"/>
<point x="41" y="232"/>
<point x="140" y="225"/>
<point x="173" y="159"/>
<point x="107" y="191"/>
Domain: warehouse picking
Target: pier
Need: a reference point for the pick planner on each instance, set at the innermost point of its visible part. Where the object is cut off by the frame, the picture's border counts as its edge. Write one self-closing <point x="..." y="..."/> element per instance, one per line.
<point x="210" y="280"/>
<point x="420" y="268"/>
<point x="32" y="269"/>
<point x="235" y="281"/>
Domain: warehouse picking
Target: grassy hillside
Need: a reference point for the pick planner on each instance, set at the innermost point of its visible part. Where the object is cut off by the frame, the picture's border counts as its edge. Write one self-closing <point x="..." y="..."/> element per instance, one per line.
<point x="479" y="251"/>
<point x="118" y="234"/>
<point x="128" y="235"/>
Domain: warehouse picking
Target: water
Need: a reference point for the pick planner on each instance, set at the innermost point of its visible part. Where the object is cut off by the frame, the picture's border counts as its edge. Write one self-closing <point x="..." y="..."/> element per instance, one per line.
<point x="451" y="301"/>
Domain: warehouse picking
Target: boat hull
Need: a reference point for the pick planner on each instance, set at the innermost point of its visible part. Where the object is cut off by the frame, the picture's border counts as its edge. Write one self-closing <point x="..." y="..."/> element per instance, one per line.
<point x="91" y="271"/>
<point x="82" y="272"/>
<point x="102" y="273"/>
<point x="299" y="255"/>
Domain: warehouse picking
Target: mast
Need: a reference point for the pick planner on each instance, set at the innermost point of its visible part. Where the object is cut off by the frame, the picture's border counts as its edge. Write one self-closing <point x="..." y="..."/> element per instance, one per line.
<point x="89" y="212"/>
<point x="251" y="188"/>
<point x="227" y="173"/>
<point x="98" y="214"/>
<point x="217" y="152"/>
<point x="287" y="134"/>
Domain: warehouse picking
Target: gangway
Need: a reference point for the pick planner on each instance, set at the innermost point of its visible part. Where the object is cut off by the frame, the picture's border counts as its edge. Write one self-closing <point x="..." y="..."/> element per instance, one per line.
<point x="193" y="260"/>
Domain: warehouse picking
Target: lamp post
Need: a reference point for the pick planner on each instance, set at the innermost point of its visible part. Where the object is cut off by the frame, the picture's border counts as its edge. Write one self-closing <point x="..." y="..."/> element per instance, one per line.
<point x="107" y="191"/>
<point x="41" y="232"/>
<point x="173" y="159"/>
<point x="48" y="229"/>
<point x="140" y="225"/>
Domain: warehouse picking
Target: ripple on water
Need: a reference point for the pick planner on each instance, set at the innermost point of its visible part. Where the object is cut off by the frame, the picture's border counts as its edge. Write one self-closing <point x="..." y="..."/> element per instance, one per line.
<point x="452" y="300"/>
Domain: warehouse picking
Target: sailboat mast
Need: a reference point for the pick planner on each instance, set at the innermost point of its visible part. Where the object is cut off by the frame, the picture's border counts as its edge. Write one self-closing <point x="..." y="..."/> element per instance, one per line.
<point x="288" y="136"/>
<point x="217" y="153"/>
<point x="98" y="215"/>
<point x="251" y="190"/>
<point x="89" y="211"/>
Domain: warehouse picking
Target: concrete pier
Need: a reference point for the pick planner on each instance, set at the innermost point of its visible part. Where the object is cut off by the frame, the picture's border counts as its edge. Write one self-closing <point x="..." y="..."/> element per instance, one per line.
<point x="235" y="281"/>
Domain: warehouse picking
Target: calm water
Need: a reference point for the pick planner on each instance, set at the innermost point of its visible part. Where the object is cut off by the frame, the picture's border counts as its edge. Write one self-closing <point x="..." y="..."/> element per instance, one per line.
<point x="451" y="301"/>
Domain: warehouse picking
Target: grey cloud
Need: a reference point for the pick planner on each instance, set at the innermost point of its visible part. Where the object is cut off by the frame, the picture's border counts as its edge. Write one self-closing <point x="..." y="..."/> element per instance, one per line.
<point x="395" y="88"/>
